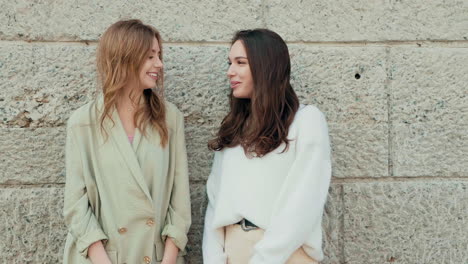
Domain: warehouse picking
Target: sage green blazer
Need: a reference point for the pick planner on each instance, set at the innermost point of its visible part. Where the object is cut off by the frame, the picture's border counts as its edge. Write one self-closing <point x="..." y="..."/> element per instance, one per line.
<point x="132" y="196"/>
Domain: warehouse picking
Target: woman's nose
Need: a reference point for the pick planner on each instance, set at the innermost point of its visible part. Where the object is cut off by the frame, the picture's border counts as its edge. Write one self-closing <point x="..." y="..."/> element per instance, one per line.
<point x="158" y="64"/>
<point x="230" y="72"/>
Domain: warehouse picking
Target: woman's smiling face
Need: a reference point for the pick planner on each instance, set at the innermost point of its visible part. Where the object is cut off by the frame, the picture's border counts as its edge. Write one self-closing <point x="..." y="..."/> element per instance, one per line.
<point x="239" y="72"/>
<point x="151" y="67"/>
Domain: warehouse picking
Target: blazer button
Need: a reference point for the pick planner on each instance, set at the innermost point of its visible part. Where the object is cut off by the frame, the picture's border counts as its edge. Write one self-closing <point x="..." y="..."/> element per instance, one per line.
<point x="122" y="230"/>
<point x="150" y="222"/>
<point x="147" y="260"/>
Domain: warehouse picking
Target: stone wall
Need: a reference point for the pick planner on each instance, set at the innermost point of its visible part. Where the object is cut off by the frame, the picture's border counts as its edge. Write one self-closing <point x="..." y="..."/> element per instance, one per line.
<point x="390" y="75"/>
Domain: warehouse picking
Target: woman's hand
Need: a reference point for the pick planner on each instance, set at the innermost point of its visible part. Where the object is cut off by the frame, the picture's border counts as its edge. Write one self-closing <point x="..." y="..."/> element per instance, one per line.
<point x="97" y="254"/>
<point x="170" y="252"/>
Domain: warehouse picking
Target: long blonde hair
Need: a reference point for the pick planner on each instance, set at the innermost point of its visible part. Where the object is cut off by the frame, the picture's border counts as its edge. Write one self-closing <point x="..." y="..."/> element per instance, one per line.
<point x="122" y="49"/>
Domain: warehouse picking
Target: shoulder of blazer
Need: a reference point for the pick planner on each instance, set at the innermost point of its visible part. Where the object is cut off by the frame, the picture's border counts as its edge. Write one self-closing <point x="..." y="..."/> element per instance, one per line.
<point x="85" y="115"/>
<point x="172" y="114"/>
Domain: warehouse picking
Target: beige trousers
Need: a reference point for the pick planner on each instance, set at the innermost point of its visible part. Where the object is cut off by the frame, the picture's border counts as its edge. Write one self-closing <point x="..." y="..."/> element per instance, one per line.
<point x="239" y="245"/>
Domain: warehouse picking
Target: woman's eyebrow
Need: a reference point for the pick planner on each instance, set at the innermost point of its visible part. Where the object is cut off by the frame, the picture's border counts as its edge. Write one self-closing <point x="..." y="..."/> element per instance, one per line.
<point x="238" y="57"/>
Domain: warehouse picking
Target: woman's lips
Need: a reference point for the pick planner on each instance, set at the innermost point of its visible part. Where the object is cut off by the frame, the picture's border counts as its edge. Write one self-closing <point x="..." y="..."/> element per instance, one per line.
<point x="235" y="84"/>
<point x="153" y="75"/>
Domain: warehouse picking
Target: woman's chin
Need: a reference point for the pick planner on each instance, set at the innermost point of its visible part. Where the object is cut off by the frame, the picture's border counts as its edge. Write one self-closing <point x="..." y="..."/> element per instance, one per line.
<point x="148" y="86"/>
<point x="240" y="95"/>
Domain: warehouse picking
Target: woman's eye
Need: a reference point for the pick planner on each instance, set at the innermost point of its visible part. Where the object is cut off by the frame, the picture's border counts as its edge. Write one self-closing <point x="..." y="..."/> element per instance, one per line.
<point x="151" y="57"/>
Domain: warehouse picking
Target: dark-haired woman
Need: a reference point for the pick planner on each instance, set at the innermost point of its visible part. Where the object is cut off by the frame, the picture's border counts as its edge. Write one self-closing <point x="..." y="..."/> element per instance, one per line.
<point x="272" y="169"/>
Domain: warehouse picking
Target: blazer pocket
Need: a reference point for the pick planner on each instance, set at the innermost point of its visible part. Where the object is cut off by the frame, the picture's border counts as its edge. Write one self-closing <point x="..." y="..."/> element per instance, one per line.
<point x="112" y="256"/>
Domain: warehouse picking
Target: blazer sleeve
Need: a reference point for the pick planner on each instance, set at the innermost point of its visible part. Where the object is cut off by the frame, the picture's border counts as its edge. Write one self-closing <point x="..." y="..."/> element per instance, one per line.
<point x="178" y="219"/>
<point x="299" y="208"/>
<point x="79" y="216"/>
<point x="213" y="239"/>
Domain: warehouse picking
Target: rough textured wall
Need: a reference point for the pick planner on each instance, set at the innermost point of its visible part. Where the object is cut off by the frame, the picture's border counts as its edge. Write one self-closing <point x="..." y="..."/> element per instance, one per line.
<point x="391" y="76"/>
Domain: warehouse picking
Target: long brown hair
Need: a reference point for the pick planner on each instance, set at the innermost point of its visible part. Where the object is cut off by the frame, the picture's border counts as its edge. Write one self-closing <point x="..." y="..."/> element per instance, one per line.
<point x="121" y="52"/>
<point x="260" y="124"/>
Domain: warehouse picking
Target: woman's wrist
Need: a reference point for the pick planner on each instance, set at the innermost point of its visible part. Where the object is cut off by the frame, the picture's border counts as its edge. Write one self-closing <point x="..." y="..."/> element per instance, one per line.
<point x="170" y="252"/>
<point x="97" y="253"/>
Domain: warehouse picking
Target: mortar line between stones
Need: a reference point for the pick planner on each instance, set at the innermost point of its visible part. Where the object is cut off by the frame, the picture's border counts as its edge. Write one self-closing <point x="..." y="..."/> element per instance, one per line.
<point x="31" y="185"/>
<point x="399" y="179"/>
<point x="47" y="184"/>
<point x="388" y="88"/>
<point x="418" y="43"/>
<point x="427" y="179"/>
<point x="263" y="19"/>
<point x="415" y="43"/>
<point x="342" y="227"/>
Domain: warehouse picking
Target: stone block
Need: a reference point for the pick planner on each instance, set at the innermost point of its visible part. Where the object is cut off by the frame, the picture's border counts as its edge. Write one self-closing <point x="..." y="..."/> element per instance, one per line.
<point x="176" y="20"/>
<point x="194" y="246"/>
<point x="405" y="222"/>
<point x="32" y="156"/>
<point x="429" y="111"/>
<point x="32" y="226"/>
<point x="195" y="81"/>
<point x="332" y="226"/>
<point x="199" y="202"/>
<point x="349" y="86"/>
<point x="42" y="83"/>
<point x="359" y="152"/>
<point x="199" y="156"/>
<point x="363" y="20"/>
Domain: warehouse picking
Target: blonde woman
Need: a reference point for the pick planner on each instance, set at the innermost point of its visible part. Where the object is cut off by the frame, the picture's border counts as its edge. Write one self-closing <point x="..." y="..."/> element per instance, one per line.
<point x="127" y="189"/>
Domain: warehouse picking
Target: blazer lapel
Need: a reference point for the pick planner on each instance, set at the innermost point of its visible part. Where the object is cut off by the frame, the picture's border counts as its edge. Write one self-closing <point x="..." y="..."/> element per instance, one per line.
<point x="136" y="140"/>
<point x="128" y="150"/>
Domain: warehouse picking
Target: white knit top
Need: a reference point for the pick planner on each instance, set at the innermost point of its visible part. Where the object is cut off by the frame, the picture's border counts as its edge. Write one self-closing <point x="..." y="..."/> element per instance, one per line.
<point x="283" y="193"/>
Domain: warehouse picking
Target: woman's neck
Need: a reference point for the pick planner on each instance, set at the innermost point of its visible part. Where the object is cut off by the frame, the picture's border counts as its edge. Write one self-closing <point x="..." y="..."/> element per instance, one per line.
<point x="129" y="100"/>
<point x="127" y="105"/>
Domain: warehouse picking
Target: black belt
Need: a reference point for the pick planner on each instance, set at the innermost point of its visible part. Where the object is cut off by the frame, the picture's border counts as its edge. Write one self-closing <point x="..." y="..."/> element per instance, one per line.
<point x="247" y="225"/>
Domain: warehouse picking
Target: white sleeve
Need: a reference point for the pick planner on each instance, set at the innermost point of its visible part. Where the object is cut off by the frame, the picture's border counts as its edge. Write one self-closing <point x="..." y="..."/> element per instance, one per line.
<point x="300" y="204"/>
<point x="213" y="239"/>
